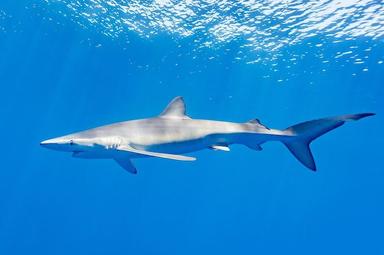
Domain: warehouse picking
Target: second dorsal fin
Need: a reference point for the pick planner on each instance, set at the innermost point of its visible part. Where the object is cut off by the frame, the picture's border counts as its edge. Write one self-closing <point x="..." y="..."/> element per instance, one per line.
<point x="257" y="123"/>
<point x="175" y="109"/>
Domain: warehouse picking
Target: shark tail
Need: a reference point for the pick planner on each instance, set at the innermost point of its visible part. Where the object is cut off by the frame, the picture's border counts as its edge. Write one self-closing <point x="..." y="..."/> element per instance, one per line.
<point x="302" y="134"/>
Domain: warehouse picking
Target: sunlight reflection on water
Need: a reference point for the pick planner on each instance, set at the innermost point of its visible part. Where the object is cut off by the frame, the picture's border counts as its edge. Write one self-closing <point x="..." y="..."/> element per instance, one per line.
<point x="261" y="29"/>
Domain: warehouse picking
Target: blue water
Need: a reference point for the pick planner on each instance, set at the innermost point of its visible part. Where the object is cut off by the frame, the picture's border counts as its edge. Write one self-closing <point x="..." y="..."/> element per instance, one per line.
<point x="63" y="71"/>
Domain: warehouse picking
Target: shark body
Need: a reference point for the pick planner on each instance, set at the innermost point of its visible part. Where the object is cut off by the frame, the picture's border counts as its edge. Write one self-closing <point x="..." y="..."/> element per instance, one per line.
<point x="173" y="133"/>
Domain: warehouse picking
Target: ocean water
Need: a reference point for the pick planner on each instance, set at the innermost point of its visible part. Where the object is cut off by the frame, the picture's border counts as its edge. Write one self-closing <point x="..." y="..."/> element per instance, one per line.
<point x="67" y="66"/>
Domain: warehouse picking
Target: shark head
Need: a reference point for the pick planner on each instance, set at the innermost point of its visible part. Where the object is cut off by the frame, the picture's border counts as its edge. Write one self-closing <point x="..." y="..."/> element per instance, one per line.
<point x="69" y="143"/>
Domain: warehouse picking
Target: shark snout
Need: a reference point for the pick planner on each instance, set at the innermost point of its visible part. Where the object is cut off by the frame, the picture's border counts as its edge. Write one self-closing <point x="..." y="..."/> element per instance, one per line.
<point x="44" y="142"/>
<point x="48" y="143"/>
<point x="57" y="144"/>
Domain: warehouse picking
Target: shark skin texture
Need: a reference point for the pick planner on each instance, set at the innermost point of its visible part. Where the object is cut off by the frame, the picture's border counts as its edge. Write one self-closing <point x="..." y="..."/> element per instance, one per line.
<point x="173" y="133"/>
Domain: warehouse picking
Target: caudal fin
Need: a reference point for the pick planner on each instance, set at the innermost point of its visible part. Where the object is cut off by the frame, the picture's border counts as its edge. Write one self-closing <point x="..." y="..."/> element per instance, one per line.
<point x="304" y="133"/>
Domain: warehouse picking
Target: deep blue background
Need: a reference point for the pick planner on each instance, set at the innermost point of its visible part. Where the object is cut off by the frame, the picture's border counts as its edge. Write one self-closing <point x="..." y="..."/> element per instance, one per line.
<point x="59" y="79"/>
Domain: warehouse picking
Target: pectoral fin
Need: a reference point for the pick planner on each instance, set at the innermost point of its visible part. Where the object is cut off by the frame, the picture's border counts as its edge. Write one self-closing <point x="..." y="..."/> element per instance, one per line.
<point x="155" y="154"/>
<point x="126" y="163"/>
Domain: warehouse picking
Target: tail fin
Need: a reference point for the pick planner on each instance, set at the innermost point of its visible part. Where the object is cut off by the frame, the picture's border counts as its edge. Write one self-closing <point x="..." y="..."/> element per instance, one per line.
<point x="304" y="133"/>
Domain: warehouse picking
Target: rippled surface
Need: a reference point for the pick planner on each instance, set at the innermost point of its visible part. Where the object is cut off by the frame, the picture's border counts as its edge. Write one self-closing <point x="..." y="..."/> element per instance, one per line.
<point x="265" y="25"/>
<point x="263" y="30"/>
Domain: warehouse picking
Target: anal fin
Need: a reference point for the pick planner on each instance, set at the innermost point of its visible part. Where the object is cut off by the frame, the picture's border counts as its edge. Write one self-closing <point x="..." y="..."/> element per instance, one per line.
<point x="255" y="147"/>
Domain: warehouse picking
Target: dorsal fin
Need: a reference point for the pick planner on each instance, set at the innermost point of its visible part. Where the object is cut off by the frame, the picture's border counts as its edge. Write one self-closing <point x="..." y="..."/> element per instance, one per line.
<point x="175" y="109"/>
<point x="257" y="122"/>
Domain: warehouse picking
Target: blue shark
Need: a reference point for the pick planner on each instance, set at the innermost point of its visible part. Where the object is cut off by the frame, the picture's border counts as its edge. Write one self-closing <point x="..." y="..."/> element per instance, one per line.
<point x="173" y="133"/>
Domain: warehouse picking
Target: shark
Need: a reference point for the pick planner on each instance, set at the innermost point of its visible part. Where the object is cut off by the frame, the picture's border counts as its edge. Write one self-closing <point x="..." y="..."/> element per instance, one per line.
<point x="172" y="134"/>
